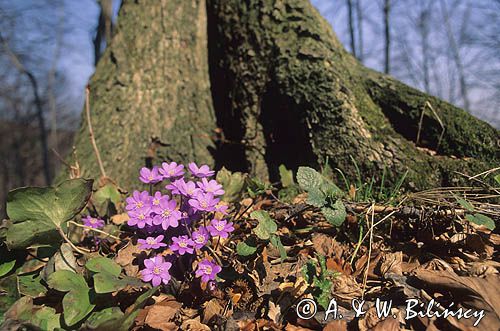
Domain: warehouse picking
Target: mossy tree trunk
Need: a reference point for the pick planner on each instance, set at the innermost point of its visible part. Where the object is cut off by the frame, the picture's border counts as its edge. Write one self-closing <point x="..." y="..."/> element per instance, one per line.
<point x="150" y="95"/>
<point x="286" y="87"/>
<point x="283" y="90"/>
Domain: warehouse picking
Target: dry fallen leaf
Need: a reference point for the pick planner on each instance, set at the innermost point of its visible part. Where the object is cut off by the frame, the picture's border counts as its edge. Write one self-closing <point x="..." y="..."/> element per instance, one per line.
<point x="470" y="292"/>
<point x="391" y="263"/>
<point x="194" y="325"/>
<point x="161" y="314"/>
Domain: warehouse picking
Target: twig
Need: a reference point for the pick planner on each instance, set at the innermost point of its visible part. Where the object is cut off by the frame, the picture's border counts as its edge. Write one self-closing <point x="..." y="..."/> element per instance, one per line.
<point x="66" y="239"/>
<point x="365" y="278"/>
<point x="95" y="230"/>
<point x="91" y="131"/>
<point x="487" y="172"/>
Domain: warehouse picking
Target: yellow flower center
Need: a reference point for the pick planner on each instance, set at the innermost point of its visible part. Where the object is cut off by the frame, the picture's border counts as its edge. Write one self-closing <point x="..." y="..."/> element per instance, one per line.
<point x="183" y="244"/>
<point x="142" y="216"/>
<point x="219" y="227"/>
<point x="208" y="270"/>
<point x="204" y="204"/>
<point x="171" y="172"/>
<point x="151" y="177"/>
<point x="156" y="202"/>
<point x="93" y="221"/>
<point x="139" y="204"/>
<point x="166" y="213"/>
<point x="200" y="239"/>
<point x="150" y="241"/>
<point x="157" y="270"/>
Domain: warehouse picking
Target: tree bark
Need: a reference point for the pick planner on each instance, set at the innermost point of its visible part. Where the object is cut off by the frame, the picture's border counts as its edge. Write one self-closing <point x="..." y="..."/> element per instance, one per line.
<point x="284" y="91"/>
<point x="150" y="96"/>
<point x="299" y="98"/>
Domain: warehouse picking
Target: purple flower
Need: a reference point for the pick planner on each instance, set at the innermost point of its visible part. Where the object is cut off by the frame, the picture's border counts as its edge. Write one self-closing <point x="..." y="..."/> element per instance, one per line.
<point x="211" y="186"/>
<point x="188" y="189"/>
<point x="151" y="242"/>
<point x="220" y="228"/>
<point x="156" y="270"/>
<point x="221" y="208"/>
<point x="203" y="202"/>
<point x="207" y="270"/>
<point x="137" y="200"/>
<point x="203" y="171"/>
<point x="174" y="186"/>
<point x="150" y="176"/>
<point x="182" y="244"/>
<point x="93" y="222"/>
<point x="200" y="237"/>
<point x="156" y="200"/>
<point x="140" y="217"/>
<point x="167" y="216"/>
<point x="171" y="170"/>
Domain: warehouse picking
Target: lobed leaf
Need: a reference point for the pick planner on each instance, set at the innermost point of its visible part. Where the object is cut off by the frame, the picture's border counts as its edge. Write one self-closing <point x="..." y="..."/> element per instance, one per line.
<point x="37" y="212"/>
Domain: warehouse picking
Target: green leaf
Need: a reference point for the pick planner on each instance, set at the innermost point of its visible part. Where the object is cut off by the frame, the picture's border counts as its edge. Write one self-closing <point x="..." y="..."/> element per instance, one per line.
<point x="316" y="198"/>
<point x="497" y="179"/>
<point x="107" y="192"/>
<point x="106" y="319"/>
<point x="335" y="214"/>
<point x="323" y="291"/>
<point x="309" y="179"/>
<point x="481" y="219"/>
<point x="30" y="285"/>
<point x="63" y="259"/>
<point x="276" y="242"/>
<point x="6" y="267"/>
<point x="106" y="279"/>
<point x="76" y="303"/>
<point x="243" y="249"/>
<point x="309" y="271"/>
<point x="46" y="319"/>
<point x="233" y="184"/>
<point x="286" y="176"/>
<point x="107" y="283"/>
<point x="103" y="264"/>
<point x="464" y="203"/>
<point x="266" y="225"/>
<point x="37" y="212"/>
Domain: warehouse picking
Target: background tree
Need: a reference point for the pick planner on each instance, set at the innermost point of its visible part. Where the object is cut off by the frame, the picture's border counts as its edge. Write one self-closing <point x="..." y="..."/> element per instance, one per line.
<point x="283" y="89"/>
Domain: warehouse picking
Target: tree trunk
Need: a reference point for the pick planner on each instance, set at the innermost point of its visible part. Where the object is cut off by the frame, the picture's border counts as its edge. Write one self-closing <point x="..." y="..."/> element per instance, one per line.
<point x="150" y="95"/>
<point x="284" y="91"/>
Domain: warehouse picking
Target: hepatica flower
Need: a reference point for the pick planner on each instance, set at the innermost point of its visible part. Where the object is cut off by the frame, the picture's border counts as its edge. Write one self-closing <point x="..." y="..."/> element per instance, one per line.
<point x="210" y="186"/>
<point x="150" y="176"/>
<point x="156" y="270"/>
<point x="207" y="270"/>
<point x="201" y="172"/>
<point x="203" y="202"/>
<point x="166" y="214"/>
<point x="220" y="228"/>
<point x="174" y="186"/>
<point x="182" y="245"/>
<point x="151" y="242"/>
<point x="200" y="237"/>
<point x="93" y="222"/>
<point x="221" y="207"/>
<point x="171" y="170"/>
<point x="140" y="217"/>
<point x="155" y="201"/>
<point x="137" y="200"/>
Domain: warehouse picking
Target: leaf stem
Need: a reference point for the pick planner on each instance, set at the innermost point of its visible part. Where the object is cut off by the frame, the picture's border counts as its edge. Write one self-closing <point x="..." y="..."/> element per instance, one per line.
<point x="95" y="230"/>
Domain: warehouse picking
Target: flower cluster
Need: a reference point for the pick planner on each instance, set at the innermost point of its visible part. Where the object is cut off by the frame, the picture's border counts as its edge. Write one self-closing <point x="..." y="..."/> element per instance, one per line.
<point x="181" y="218"/>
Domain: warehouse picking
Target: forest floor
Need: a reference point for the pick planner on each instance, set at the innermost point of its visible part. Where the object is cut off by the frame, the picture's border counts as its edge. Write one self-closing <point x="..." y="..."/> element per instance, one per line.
<point x="396" y="261"/>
